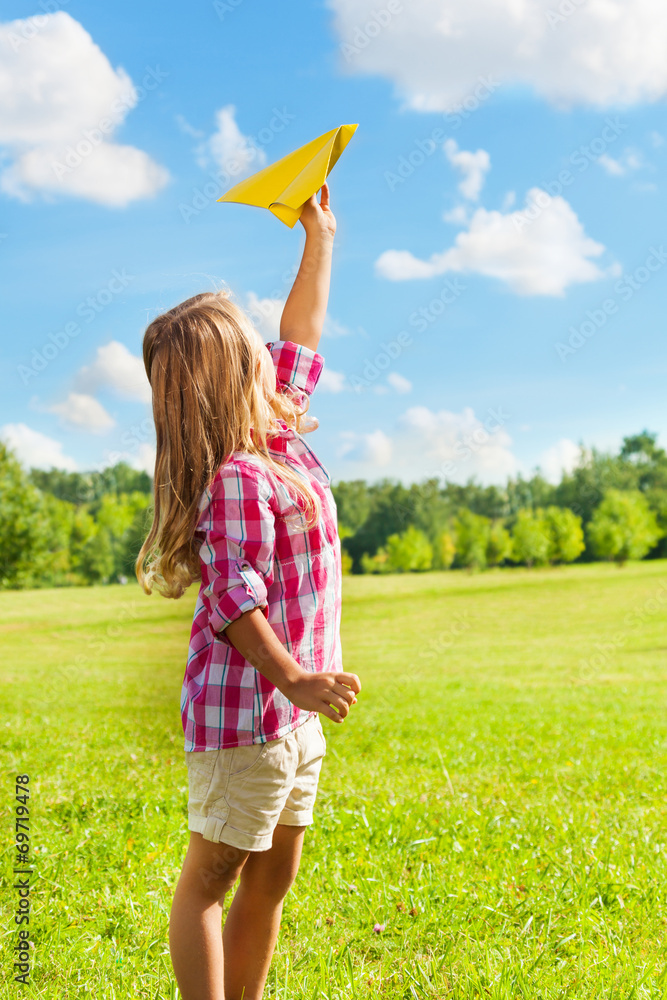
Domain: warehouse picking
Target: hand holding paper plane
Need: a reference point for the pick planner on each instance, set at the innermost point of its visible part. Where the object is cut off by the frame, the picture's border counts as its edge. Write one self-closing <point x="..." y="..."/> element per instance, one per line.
<point x="284" y="187"/>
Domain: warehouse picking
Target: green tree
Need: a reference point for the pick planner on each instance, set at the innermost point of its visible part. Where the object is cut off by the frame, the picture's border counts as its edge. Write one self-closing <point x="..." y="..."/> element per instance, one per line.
<point x="123" y="517"/>
<point x="390" y="511"/>
<point x="623" y="527"/>
<point x="95" y="558"/>
<point x="529" y="493"/>
<point x="444" y="550"/>
<point x="489" y="501"/>
<point x="353" y="502"/>
<point x="407" y="552"/>
<point x="87" y="487"/>
<point x="582" y="489"/>
<point x="499" y="544"/>
<point x="565" y="534"/>
<point x="471" y="534"/>
<point x="56" y="559"/>
<point x="133" y="537"/>
<point x="379" y="563"/>
<point x="24" y="527"/>
<point x="410" y="551"/>
<point x="530" y="538"/>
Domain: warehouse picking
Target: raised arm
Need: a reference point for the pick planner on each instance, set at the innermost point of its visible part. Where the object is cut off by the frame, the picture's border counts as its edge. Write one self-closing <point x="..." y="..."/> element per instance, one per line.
<point x="303" y="316"/>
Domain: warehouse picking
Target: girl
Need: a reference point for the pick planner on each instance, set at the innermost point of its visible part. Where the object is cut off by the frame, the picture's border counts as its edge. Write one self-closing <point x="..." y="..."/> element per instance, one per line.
<point x="243" y="504"/>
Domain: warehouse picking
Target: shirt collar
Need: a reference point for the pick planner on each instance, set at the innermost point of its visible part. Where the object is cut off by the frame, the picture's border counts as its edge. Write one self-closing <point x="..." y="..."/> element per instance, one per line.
<point x="281" y="436"/>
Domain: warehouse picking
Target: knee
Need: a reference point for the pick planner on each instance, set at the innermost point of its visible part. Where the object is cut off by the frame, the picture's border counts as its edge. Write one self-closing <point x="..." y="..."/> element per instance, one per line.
<point x="213" y="877"/>
<point x="273" y="881"/>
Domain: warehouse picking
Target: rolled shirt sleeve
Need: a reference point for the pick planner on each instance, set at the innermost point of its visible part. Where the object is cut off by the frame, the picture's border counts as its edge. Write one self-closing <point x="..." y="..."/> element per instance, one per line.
<point x="297" y="368"/>
<point x="238" y="531"/>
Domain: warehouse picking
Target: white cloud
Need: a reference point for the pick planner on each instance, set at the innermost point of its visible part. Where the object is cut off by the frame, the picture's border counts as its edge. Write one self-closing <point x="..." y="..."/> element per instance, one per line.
<point x="439" y="52"/>
<point x="115" y="367"/>
<point x="456" y="446"/>
<point x="142" y="459"/>
<point x="535" y="251"/>
<point x="34" y="449"/>
<point x="374" y="448"/>
<point x="333" y="328"/>
<point x="473" y="166"/>
<point x="229" y="149"/>
<point x="434" y="444"/>
<point x="399" y="383"/>
<point x="331" y="381"/>
<point x="188" y="129"/>
<point x="111" y="175"/>
<point x="60" y="103"/>
<point x="561" y="457"/>
<point x="85" y="412"/>
<point x="458" y="216"/>
<point x="629" y="160"/>
<point x="265" y="314"/>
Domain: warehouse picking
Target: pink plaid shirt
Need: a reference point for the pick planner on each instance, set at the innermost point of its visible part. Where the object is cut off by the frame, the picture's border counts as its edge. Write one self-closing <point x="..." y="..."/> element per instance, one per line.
<point x="253" y="555"/>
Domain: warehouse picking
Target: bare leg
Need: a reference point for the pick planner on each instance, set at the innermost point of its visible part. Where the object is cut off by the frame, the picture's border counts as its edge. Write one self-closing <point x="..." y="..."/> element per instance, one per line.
<point x="253" y="921"/>
<point x="195" y="939"/>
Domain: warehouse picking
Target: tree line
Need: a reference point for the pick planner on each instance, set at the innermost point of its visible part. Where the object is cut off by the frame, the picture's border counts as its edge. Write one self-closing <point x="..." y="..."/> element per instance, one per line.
<point x="62" y="528"/>
<point x="611" y="506"/>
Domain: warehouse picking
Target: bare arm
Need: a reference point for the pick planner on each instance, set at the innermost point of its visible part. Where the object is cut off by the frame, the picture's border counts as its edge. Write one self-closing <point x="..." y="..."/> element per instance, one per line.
<point x="330" y="693"/>
<point x="306" y="307"/>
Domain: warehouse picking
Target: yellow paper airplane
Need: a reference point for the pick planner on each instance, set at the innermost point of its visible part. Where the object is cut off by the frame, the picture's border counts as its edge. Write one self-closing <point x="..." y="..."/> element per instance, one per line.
<point x="285" y="186"/>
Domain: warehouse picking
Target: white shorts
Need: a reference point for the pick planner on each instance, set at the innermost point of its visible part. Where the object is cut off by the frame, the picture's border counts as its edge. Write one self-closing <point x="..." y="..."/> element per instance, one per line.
<point x="239" y="795"/>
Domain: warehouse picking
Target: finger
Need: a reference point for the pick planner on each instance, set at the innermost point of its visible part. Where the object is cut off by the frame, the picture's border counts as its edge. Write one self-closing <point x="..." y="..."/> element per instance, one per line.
<point x="324" y="196"/>
<point x="350" y="680"/>
<point x="335" y="701"/>
<point x="344" y="692"/>
<point x="331" y="714"/>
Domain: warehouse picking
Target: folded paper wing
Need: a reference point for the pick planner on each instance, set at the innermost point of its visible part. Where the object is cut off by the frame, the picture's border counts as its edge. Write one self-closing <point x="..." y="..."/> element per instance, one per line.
<point x="285" y="186"/>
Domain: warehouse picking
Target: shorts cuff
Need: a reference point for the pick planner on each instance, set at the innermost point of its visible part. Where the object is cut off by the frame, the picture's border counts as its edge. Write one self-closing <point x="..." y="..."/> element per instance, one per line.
<point x="219" y="832"/>
<point x="290" y="818"/>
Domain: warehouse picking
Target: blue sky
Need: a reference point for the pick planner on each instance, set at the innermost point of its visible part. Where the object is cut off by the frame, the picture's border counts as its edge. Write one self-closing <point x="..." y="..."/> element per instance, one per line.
<point x="541" y="322"/>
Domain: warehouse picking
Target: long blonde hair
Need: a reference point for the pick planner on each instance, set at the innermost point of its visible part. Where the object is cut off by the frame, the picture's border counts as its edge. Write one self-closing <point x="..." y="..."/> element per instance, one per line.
<point x="214" y="393"/>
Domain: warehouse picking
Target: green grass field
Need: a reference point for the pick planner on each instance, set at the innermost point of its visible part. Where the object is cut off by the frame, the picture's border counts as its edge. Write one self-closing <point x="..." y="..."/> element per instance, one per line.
<point x="496" y="800"/>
